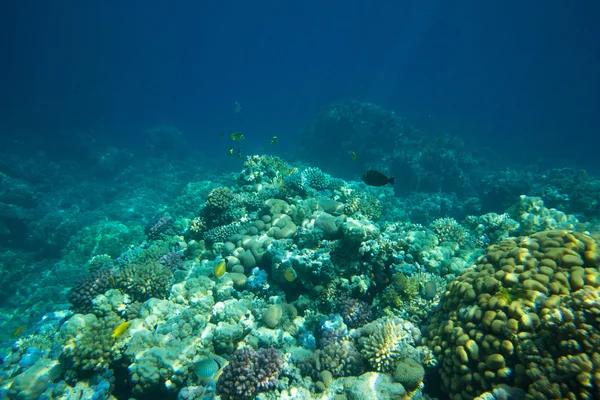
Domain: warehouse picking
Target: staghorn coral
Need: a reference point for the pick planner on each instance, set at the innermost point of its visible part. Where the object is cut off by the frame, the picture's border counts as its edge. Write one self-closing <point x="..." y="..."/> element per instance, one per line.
<point x="249" y="373"/>
<point x="524" y="316"/>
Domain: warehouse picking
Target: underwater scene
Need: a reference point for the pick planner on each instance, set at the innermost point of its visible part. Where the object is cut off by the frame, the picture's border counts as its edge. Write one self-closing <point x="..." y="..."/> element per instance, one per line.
<point x="327" y="200"/>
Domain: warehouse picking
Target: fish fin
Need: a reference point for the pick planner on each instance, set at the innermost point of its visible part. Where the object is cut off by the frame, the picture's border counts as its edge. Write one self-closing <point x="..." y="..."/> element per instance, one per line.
<point x="391" y="180"/>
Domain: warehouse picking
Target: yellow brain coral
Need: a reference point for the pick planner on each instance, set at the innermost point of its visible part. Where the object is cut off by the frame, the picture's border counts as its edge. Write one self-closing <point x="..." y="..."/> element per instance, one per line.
<point x="527" y="315"/>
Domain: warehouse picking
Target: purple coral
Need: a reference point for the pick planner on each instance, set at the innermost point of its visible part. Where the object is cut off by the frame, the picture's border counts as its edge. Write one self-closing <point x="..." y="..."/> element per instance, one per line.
<point x="172" y="260"/>
<point x="250" y="372"/>
<point x="155" y="229"/>
<point x="355" y="313"/>
<point x="83" y="292"/>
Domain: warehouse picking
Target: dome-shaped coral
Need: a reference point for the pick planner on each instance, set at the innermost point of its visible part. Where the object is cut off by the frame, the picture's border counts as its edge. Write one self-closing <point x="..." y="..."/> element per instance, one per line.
<point x="219" y="199"/>
<point x="526" y="315"/>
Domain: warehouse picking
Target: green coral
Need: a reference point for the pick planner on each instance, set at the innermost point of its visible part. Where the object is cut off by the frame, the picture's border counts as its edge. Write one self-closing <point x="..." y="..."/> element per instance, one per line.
<point x="144" y="281"/>
<point x="401" y="290"/>
<point x="448" y="230"/>
<point x="409" y="373"/>
<point x="219" y="199"/>
<point x="88" y="343"/>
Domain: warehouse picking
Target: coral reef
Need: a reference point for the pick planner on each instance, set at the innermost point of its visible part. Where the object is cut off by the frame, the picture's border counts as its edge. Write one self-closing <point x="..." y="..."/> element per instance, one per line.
<point x="285" y="281"/>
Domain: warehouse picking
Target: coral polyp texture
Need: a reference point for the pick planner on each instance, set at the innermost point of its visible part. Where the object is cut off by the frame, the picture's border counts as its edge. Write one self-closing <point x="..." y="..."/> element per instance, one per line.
<point x="525" y="316"/>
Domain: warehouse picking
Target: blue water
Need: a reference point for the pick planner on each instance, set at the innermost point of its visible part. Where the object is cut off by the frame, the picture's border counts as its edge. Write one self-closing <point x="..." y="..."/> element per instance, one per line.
<point x="109" y="111"/>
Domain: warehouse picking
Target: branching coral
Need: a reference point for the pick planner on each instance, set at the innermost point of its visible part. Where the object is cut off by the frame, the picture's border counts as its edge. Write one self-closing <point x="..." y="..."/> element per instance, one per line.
<point x="88" y="343"/>
<point x="159" y="227"/>
<point x="448" y="230"/>
<point x="385" y="341"/>
<point x="144" y="281"/>
<point x="249" y="373"/>
<point x="90" y="286"/>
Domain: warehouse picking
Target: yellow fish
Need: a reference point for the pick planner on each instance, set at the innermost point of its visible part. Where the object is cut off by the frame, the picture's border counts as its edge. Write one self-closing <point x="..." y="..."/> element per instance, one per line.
<point x="220" y="268"/>
<point x="230" y="151"/>
<point x="353" y="155"/>
<point x="274" y="139"/>
<point x="237" y="136"/>
<point x="120" y="329"/>
<point x="290" y="275"/>
<point x="18" y="331"/>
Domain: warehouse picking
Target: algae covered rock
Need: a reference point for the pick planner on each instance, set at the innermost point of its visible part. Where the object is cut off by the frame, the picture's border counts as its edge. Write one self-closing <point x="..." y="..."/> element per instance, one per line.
<point x="330" y="225"/>
<point x="35" y="380"/>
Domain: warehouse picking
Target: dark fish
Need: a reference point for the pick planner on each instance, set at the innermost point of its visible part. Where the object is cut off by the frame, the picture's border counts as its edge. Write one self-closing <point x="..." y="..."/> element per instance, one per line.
<point x="374" y="178"/>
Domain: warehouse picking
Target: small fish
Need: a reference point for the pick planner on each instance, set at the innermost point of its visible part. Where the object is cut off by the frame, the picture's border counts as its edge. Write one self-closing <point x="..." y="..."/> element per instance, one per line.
<point x="353" y="155"/>
<point x="237" y="107"/>
<point x="220" y="268"/>
<point x="18" y="331"/>
<point x="239" y="155"/>
<point x="222" y="135"/>
<point x="237" y="136"/>
<point x="429" y="290"/>
<point x="208" y="369"/>
<point x="120" y="329"/>
<point x="230" y="151"/>
<point x="375" y="178"/>
<point x="274" y="140"/>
